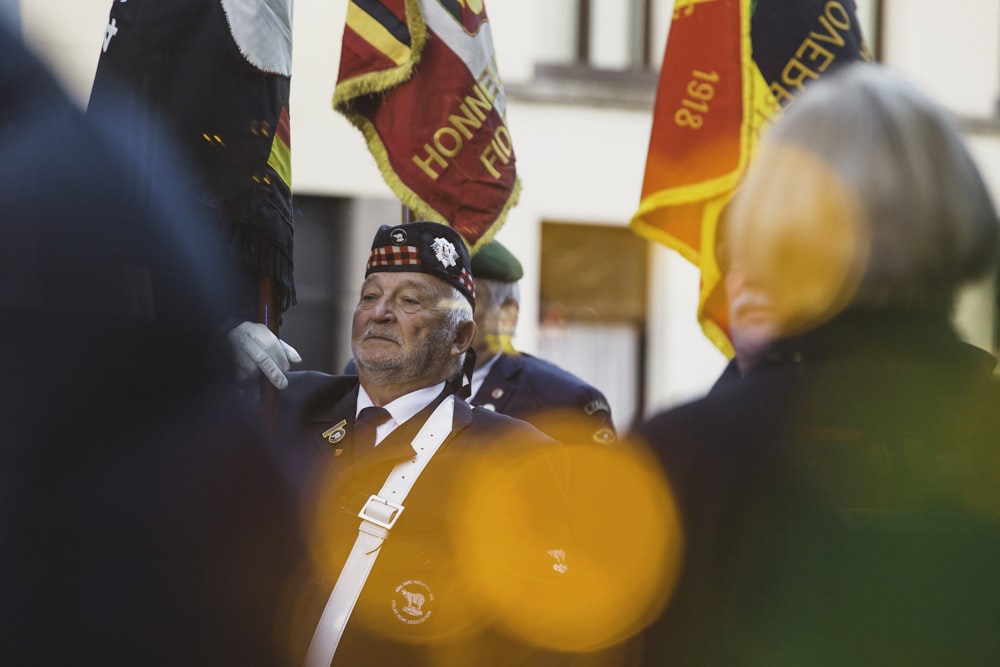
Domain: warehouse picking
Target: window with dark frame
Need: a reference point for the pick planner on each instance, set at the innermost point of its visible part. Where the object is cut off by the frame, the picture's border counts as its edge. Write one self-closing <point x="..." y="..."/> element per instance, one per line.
<point x="608" y="61"/>
<point x="639" y="22"/>
<point x="581" y="76"/>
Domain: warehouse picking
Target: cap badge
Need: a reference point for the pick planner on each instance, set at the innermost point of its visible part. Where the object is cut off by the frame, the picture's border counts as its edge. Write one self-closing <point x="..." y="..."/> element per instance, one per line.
<point x="398" y="236"/>
<point x="445" y="252"/>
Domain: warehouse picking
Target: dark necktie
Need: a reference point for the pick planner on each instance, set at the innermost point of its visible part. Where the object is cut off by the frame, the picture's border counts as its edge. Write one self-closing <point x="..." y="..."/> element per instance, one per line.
<point x="364" y="428"/>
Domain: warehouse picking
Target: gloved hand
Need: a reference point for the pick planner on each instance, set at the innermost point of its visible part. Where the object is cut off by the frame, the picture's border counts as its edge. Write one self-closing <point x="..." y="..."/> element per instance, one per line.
<point x="256" y="348"/>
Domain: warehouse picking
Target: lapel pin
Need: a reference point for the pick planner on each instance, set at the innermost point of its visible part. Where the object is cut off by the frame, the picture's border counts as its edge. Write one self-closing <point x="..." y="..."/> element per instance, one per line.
<point x="336" y="433"/>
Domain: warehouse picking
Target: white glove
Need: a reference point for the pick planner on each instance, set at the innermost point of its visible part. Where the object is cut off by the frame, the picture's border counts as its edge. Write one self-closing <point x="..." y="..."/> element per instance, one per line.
<point x="256" y="348"/>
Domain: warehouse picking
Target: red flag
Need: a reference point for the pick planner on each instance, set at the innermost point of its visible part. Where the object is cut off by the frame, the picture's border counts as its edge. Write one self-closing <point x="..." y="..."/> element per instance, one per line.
<point x="419" y="78"/>
<point x="728" y="68"/>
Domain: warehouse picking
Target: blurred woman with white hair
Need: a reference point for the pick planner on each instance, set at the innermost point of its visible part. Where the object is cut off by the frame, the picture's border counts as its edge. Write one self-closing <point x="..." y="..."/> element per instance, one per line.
<point x="840" y="501"/>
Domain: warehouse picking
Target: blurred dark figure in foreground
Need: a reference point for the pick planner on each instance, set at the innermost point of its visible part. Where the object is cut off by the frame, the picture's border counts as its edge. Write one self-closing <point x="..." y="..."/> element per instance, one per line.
<point x="840" y="501"/>
<point x="142" y="521"/>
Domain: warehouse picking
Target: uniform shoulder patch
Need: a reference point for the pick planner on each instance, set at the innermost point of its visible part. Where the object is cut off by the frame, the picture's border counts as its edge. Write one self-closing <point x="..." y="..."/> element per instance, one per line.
<point x="597" y="405"/>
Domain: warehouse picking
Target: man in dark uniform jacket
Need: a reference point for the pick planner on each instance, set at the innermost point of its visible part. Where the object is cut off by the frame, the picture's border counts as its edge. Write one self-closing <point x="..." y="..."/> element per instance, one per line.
<point x="519" y="384"/>
<point x="411" y="339"/>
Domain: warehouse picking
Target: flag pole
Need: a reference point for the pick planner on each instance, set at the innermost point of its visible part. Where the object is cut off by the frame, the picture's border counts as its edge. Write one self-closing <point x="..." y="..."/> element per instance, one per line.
<point x="268" y="315"/>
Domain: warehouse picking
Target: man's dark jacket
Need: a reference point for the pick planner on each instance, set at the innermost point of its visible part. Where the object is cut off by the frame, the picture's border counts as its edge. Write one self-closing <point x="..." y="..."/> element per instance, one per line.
<point x="424" y="554"/>
<point x="529" y="388"/>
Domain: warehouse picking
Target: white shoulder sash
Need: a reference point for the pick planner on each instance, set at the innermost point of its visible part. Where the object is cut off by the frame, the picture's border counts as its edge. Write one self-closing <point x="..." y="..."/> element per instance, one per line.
<point x="378" y="516"/>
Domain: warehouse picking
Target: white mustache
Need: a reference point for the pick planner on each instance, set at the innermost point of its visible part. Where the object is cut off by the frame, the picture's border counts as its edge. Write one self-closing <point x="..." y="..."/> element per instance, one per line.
<point x="380" y="333"/>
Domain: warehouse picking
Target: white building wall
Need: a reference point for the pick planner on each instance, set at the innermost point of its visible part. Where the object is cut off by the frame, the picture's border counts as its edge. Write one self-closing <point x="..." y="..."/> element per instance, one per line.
<point x="949" y="49"/>
<point x="68" y="34"/>
<point x="576" y="163"/>
<point x="952" y="51"/>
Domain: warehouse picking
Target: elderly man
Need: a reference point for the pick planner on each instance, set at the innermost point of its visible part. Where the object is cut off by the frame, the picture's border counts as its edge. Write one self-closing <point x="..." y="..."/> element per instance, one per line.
<point x="518" y="384"/>
<point x="403" y="602"/>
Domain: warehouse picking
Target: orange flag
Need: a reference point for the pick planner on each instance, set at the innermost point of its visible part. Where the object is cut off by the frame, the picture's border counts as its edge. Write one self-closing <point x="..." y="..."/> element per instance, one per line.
<point x="729" y="67"/>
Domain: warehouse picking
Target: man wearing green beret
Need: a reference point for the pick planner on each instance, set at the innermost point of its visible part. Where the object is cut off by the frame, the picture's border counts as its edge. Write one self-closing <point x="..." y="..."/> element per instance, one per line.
<point x="519" y="384"/>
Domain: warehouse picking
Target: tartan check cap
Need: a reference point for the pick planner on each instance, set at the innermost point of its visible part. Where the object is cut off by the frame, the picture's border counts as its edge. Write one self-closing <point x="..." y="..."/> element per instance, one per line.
<point x="424" y="247"/>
